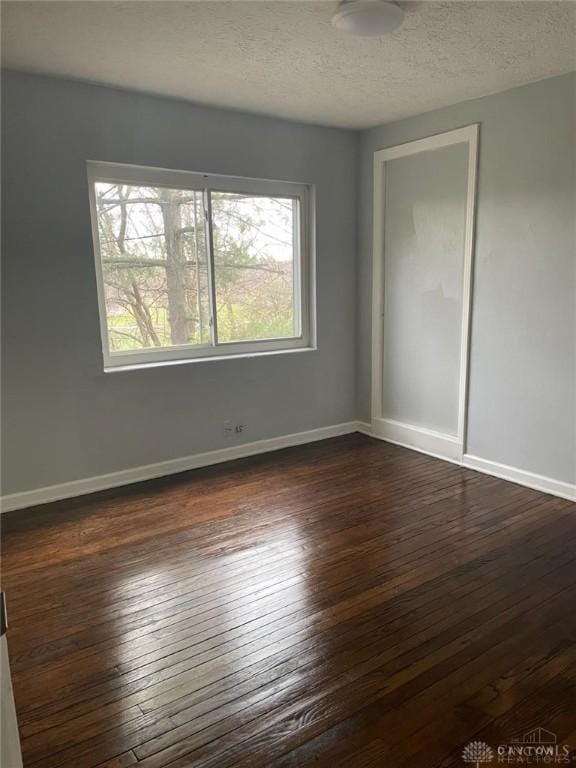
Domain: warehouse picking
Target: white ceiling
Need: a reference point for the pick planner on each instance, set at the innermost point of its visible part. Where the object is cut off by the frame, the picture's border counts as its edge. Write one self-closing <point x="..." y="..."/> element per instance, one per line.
<point x="284" y="58"/>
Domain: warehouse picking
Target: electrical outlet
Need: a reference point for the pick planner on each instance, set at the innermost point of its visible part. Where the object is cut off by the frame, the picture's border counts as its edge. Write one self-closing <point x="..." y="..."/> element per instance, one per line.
<point x="232" y="430"/>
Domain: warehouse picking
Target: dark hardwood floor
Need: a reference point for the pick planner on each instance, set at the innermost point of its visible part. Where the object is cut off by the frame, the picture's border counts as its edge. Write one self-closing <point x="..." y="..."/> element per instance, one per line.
<point x="345" y="603"/>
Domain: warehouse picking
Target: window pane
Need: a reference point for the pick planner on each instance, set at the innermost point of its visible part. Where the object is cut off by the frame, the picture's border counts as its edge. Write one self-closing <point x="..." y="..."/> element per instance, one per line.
<point x="154" y="266"/>
<point x="254" y="257"/>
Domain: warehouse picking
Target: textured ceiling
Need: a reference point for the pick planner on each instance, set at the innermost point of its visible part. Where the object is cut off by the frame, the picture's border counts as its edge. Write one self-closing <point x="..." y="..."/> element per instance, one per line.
<point x="285" y="59"/>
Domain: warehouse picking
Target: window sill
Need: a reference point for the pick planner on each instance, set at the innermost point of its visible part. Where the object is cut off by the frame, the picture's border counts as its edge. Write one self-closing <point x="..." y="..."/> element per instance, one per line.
<point x="209" y="359"/>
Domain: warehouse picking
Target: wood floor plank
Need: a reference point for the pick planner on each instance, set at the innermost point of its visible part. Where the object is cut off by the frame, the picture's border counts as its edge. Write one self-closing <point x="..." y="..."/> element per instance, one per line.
<point x="373" y="596"/>
<point x="345" y="552"/>
<point x="344" y="603"/>
<point x="263" y="737"/>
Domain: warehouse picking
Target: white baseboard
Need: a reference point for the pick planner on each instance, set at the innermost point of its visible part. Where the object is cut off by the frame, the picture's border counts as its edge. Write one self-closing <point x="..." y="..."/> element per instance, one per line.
<point x="420" y="439"/>
<point x="173" y="466"/>
<point x="503" y="471"/>
<point x="521" y="477"/>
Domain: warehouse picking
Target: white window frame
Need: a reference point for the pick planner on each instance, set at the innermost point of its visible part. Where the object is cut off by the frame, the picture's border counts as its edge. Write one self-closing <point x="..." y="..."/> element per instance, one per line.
<point x="303" y="268"/>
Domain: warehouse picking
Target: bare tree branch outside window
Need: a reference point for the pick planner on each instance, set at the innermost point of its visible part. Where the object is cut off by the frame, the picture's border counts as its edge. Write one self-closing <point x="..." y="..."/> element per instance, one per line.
<point x="156" y="272"/>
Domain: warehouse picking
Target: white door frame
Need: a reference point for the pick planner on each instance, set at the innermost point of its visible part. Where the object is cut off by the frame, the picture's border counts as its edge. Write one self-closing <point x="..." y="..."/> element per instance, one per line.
<point x="428" y="441"/>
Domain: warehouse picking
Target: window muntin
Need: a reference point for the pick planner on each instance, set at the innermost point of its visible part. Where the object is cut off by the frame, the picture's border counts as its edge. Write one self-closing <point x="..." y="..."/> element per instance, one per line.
<point x="191" y="266"/>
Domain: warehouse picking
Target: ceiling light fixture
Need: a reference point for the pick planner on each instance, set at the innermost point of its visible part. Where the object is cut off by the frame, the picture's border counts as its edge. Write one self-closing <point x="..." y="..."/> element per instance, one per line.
<point x="368" y="18"/>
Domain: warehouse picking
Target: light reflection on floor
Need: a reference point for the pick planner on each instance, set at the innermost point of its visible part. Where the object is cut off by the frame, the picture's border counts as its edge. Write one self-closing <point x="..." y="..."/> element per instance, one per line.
<point x="240" y="613"/>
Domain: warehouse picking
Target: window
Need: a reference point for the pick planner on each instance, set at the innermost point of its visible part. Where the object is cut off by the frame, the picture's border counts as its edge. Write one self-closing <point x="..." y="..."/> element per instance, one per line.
<point x="195" y="266"/>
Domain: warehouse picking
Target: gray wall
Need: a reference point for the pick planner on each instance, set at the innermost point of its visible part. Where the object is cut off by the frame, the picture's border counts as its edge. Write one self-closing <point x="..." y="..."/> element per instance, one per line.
<point x="64" y="419"/>
<point x="522" y="405"/>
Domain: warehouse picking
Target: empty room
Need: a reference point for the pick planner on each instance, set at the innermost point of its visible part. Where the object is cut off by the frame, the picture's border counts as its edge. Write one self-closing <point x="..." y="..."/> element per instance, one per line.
<point x="288" y="384"/>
